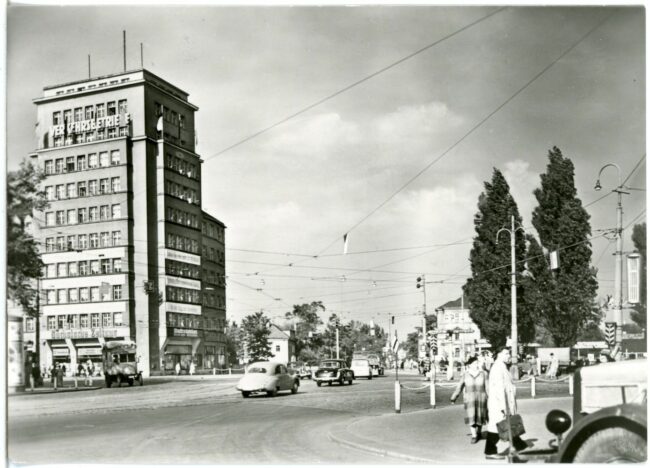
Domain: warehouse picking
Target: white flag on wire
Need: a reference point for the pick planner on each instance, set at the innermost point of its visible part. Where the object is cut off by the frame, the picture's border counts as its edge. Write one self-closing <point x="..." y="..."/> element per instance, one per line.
<point x="345" y="243"/>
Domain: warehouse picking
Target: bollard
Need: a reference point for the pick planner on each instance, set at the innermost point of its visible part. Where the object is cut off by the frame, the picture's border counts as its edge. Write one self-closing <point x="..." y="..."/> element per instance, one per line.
<point x="214" y="371"/>
<point x="532" y="386"/>
<point x="571" y="384"/>
<point x="31" y="382"/>
<point x="230" y="371"/>
<point x="398" y="397"/>
<point x="76" y="385"/>
<point x="432" y="392"/>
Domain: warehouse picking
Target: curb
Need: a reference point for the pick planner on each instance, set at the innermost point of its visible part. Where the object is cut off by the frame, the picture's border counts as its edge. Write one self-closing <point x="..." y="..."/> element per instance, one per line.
<point x="52" y="391"/>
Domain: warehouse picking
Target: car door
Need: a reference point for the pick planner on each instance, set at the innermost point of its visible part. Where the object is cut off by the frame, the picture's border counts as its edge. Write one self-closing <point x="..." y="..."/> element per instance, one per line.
<point x="283" y="377"/>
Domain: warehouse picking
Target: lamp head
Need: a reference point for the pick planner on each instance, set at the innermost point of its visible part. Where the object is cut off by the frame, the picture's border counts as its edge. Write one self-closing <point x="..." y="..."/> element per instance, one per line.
<point x="597" y="187"/>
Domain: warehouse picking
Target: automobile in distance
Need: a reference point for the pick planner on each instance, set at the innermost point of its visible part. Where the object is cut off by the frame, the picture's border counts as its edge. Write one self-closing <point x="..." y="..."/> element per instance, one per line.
<point x="299" y="369"/>
<point x="120" y="363"/>
<point x="361" y="368"/>
<point x="333" y="370"/>
<point x="374" y="360"/>
<point x="609" y="417"/>
<point x="267" y="377"/>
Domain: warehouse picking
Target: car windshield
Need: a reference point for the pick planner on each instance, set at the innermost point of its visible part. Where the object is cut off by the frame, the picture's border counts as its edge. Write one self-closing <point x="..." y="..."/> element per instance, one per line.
<point x="256" y="370"/>
<point x="331" y="364"/>
<point x="359" y="362"/>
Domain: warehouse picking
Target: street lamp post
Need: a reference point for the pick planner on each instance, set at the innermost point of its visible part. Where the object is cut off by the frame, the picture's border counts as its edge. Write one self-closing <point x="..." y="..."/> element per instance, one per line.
<point x="618" y="271"/>
<point x="513" y="291"/>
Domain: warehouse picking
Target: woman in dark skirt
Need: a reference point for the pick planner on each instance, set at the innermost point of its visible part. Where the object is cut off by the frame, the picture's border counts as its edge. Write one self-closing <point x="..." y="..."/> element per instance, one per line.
<point x="473" y="383"/>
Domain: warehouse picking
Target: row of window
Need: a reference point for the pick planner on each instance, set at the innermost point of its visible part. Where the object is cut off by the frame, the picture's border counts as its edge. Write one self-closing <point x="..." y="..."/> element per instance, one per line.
<point x="83" y="215"/>
<point x="173" y="117"/>
<point x="181" y="166"/>
<point x="193" y="321"/>
<point x="182" y="217"/>
<point x="189" y="296"/>
<point x="83" y="188"/>
<point x="88" y="294"/>
<point x="212" y="299"/>
<point x="214" y="277"/>
<point x="212" y="230"/>
<point x="82" y="162"/>
<point x="182" y="243"/>
<point x="180" y="191"/>
<point x="74" y="321"/>
<point x="87" y="137"/>
<point x="104" y="266"/>
<point x="186" y="270"/>
<point x="83" y="241"/>
<point x="215" y="255"/>
<point x="101" y="84"/>
<point x="90" y="112"/>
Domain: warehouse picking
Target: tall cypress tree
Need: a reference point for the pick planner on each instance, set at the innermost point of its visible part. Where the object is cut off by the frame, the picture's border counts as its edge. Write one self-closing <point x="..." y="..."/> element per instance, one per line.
<point x="488" y="290"/>
<point x="566" y="295"/>
<point x="639" y="315"/>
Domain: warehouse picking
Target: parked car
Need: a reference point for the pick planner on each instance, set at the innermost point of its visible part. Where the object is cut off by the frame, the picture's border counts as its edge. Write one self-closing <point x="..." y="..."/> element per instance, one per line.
<point x="333" y="370"/>
<point x="269" y="378"/>
<point x="121" y="364"/>
<point x="300" y="369"/>
<point x="361" y="368"/>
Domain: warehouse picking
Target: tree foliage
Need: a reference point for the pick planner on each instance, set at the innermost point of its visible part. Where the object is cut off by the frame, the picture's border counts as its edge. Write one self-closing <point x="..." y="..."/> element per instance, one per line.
<point x="639" y="315"/>
<point x="256" y="329"/>
<point x="305" y="320"/>
<point x="488" y="290"/>
<point x="565" y="297"/>
<point x="234" y="339"/>
<point x="24" y="264"/>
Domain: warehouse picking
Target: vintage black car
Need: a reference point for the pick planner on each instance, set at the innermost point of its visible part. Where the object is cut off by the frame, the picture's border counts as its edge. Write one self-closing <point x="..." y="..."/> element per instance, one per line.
<point x="333" y="370"/>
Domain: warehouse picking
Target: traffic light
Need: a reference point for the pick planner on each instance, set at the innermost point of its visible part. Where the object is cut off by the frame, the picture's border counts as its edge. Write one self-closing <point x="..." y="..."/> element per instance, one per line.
<point x="419" y="282"/>
<point x="392" y="320"/>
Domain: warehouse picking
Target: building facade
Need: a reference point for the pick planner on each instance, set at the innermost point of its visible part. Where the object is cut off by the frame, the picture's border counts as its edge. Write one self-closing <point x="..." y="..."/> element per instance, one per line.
<point x="123" y="234"/>
<point x="458" y="337"/>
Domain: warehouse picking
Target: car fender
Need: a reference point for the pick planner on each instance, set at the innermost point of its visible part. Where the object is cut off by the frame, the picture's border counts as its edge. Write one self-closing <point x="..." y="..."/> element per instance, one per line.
<point x="631" y="416"/>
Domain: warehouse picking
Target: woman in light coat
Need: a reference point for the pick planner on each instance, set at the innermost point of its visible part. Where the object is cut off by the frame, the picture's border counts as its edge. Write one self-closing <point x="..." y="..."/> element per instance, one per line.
<point x="473" y="385"/>
<point x="500" y="387"/>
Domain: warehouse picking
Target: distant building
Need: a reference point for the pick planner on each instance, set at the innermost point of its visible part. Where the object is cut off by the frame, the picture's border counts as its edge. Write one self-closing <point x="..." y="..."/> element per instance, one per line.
<point x="283" y="344"/>
<point x="457" y="335"/>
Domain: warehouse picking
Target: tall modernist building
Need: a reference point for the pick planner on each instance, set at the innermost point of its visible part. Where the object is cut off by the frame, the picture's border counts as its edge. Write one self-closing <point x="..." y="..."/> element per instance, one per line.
<point x="129" y="253"/>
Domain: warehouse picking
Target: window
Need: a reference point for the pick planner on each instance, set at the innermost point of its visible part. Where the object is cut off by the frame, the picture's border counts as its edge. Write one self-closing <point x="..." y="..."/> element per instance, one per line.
<point x="71" y="242"/>
<point x="117" y="292"/>
<point x="104" y="239"/>
<point x="115" y="184"/>
<point x="92" y="187"/>
<point x="83" y="294"/>
<point x="103" y="186"/>
<point x="60" y="321"/>
<point x="83" y="267"/>
<point x="72" y="190"/>
<point x="107" y="319"/>
<point x="277" y="349"/>
<point x="122" y="106"/>
<point x="49" y="244"/>
<point x="60" y="243"/>
<point x="88" y="112"/>
<point x="29" y="324"/>
<point x="117" y="319"/>
<point x="49" y="192"/>
<point x="81" y="163"/>
<point x="106" y="266"/>
<point x="112" y="133"/>
<point x="123" y="131"/>
<point x="101" y="109"/>
<point x="67" y="114"/>
<point x="60" y="192"/>
<point x="62" y="296"/>
<point x="94" y="320"/>
<point x="61" y="270"/>
<point x="69" y="164"/>
<point x="101" y="134"/>
<point x="51" y="296"/>
<point x="117" y="237"/>
<point x="94" y="267"/>
<point x="116" y="211"/>
<point x="59" y="166"/>
<point x="93" y="213"/>
<point x="111" y="108"/>
<point x="73" y="295"/>
<point x="92" y="160"/>
<point x="58" y="141"/>
<point x="50" y="270"/>
<point x="49" y="167"/>
<point x="103" y="157"/>
<point x="94" y="294"/>
<point x="60" y="217"/>
<point x="74" y="323"/>
<point x="81" y="188"/>
<point x="72" y="269"/>
<point x="103" y="212"/>
<point x="117" y="265"/>
<point x="56" y="118"/>
<point x="51" y="322"/>
<point x="72" y="216"/>
<point x="82" y="215"/>
<point x="83" y="319"/>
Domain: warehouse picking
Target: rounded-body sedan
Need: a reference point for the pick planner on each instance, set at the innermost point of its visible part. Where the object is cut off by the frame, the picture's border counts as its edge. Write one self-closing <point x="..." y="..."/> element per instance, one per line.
<point x="333" y="370"/>
<point x="267" y="377"/>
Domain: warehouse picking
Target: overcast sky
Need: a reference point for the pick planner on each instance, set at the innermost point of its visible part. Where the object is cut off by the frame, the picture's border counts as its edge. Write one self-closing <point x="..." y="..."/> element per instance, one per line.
<point x="298" y="188"/>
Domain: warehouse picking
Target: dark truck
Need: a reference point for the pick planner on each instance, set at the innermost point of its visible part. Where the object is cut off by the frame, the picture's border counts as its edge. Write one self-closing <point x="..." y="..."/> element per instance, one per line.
<point x="609" y="418"/>
<point x="120" y="363"/>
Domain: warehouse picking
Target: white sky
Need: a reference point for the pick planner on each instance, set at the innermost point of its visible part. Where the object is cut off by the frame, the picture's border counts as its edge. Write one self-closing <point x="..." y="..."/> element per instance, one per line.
<point x="299" y="187"/>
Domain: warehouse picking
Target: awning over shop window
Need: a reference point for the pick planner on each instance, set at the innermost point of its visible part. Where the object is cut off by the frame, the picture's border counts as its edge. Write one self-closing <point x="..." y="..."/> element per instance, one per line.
<point x="178" y="349"/>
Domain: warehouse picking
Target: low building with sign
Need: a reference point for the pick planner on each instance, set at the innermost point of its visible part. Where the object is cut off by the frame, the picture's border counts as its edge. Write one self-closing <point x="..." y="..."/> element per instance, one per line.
<point x="283" y="344"/>
<point x="129" y="252"/>
<point x="458" y="337"/>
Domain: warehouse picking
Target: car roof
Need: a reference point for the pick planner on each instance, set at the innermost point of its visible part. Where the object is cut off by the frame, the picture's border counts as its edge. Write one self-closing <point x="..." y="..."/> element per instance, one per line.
<point x="265" y="364"/>
<point x="332" y="360"/>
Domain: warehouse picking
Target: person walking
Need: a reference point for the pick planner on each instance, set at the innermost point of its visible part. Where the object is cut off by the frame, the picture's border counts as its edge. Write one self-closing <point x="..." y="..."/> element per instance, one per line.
<point x="500" y="387"/>
<point x="192" y="368"/>
<point x="178" y="368"/>
<point x="473" y="383"/>
<point x="553" y="366"/>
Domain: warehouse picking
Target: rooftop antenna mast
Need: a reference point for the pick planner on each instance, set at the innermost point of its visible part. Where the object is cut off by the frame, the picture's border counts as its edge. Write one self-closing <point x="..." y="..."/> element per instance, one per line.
<point x="124" y="47"/>
<point x="89" y="66"/>
<point x="141" y="57"/>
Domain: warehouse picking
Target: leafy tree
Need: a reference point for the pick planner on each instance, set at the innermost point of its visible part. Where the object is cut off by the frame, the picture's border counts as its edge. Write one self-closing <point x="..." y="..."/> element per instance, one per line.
<point x="256" y="329"/>
<point x="488" y="290"/>
<point x="411" y="345"/>
<point x="566" y="296"/>
<point x="639" y="315"/>
<point x="591" y="332"/>
<point x="305" y="319"/>
<point x="24" y="264"/>
<point x="234" y="344"/>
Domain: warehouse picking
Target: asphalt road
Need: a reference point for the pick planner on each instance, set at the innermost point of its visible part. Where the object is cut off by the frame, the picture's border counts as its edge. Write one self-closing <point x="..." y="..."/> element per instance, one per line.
<point x="197" y="422"/>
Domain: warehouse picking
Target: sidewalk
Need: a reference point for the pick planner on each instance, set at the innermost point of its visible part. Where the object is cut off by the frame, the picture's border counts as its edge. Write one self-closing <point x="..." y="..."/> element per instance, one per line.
<point x="48" y="390"/>
<point x="439" y="436"/>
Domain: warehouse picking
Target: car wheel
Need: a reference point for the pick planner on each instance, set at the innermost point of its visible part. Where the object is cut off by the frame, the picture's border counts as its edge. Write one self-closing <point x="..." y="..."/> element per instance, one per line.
<point x="272" y="393"/>
<point x="294" y="389"/>
<point x="350" y="381"/>
<point x="245" y="394"/>
<point x="369" y="376"/>
<point x="108" y="382"/>
<point x="329" y="383"/>
<point x="318" y="384"/>
<point x="130" y="381"/>
<point x="613" y="445"/>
